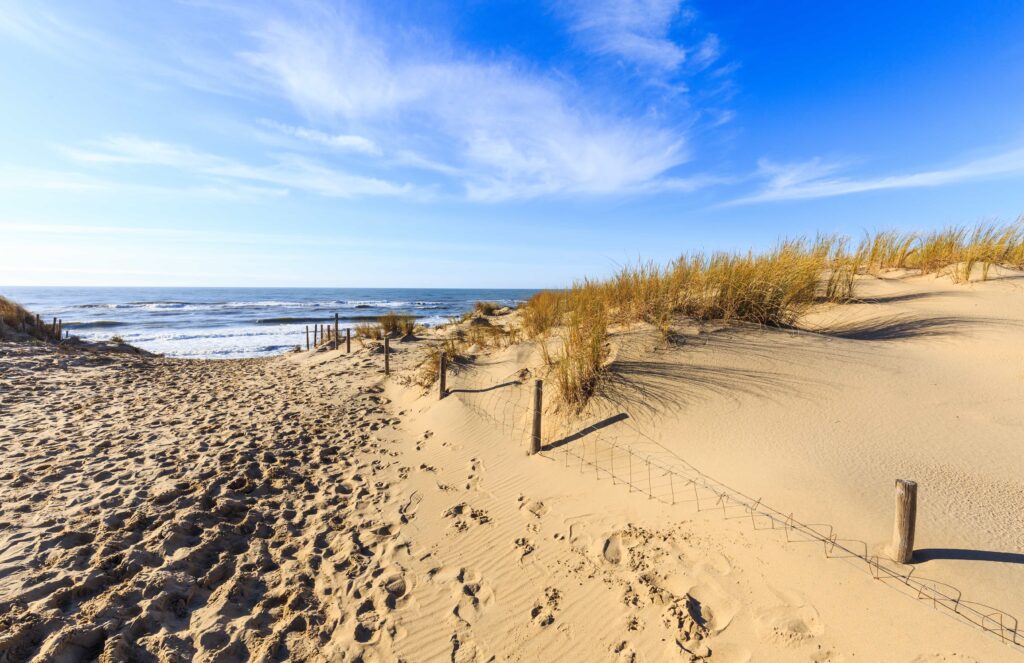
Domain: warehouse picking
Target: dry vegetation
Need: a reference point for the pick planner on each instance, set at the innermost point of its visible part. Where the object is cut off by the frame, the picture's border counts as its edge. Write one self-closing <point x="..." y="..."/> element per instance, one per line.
<point x="772" y="288"/>
<point x="16" y="318"/>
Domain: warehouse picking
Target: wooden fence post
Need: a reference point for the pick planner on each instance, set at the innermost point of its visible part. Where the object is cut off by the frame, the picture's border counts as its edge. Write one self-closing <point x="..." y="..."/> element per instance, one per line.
<point x="906" y="520"/>
<point x="443" y="376"/>
<point x="60" y="328"/>
<point x="538" y="402"/>
<point x="387" y="356"/>
<point x="307" y="338"/>
<point x="348" y="340"/>
<point x="335" y="347"/>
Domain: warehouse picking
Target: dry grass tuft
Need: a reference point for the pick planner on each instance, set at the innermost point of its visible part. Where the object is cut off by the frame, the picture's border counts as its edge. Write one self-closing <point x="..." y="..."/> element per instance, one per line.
<point x="429" y="370"/>
<point x="486" y="308"/>
<point x="368" y="331"/>
<point x="955" y="251"/>
<point x="579" y="364"/>
<point x="15" y="317"/>
<point x="774" y="288"/>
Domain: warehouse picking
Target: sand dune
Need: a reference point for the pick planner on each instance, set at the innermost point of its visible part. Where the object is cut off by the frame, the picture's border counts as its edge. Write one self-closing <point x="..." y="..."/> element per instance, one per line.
<point x="306" y="507"/>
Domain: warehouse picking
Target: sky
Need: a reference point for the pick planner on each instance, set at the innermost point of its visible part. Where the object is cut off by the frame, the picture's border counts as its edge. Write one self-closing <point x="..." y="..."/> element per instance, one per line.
<point x="481" y="143"/>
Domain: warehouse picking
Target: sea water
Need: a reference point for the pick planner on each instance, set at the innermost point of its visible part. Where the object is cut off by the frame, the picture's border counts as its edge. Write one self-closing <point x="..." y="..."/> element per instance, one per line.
<point x="237" y="322"/>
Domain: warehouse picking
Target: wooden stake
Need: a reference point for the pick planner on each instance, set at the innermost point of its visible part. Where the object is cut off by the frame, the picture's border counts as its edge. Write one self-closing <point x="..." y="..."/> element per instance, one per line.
<point x="443" y="376"/>
<point x="335" y="345"/>
<point x="906" y="521"/>
<point x="348" y="340"/>
<point x="387" y="356"/>
<point x="307" y="338"/>
<point x="538" y="402"/>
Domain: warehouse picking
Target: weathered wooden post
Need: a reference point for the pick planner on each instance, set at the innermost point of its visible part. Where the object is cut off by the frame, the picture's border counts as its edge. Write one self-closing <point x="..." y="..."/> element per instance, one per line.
<point x="348" y="340"/>
<point x="387" y="356"/>
<point x="307" y="338"/>
<point x="53" y="328"/>
<point x="538" y="402"/>
<point x="443" y="376"/>
<point x="60" y="328"/>
<point x="906" y="520"/>
<point x="316" y="329"/>
<point x="335" y="345"/>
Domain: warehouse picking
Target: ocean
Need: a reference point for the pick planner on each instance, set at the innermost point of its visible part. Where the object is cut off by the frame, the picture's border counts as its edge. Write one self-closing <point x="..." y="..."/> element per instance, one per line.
<point x="236" y="322"/>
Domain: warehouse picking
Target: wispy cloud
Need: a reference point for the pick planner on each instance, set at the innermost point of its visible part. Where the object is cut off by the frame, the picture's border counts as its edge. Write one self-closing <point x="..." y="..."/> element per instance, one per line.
<point x="634" y="30"/>
<point x="289" y="171"/>
<point x="44" y="30"/>
<point x="394" y="111"/>
<point x="816" y="178"/>
<point x="339" y="142"/>
<point x="519" y="133"/>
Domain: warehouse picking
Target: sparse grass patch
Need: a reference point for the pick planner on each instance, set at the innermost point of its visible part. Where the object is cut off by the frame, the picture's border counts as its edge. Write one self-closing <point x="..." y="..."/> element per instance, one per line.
<point x="580" y="361"/>
<point x="369" y="331"/>
<point x="14" y="314"/>
<point x="406" y="324"/>
<point x="16" y="317"/>
<point x="429" y="370"/>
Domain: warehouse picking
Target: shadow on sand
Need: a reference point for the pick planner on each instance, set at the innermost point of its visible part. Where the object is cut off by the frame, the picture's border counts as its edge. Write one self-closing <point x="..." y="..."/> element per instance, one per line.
<point x="604" y="423"/>
<point x="928" y="554"/>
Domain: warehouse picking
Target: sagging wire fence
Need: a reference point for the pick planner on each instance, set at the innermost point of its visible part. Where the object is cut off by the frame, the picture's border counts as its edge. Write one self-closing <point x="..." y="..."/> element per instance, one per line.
<point x="615" y="448"/>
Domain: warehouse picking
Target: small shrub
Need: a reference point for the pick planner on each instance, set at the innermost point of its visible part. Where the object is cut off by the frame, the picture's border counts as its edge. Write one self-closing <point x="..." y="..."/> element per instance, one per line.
<point x="486" y="308"/>
<point x="117" y="339"/>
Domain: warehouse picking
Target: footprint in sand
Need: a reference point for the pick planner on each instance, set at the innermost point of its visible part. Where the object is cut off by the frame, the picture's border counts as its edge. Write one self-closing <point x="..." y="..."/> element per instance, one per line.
<point x="524" y="546"/>
<point x="535" y="509"/>
<point x="543" y="611"/>
<point x="473" y="596"/>
<point x="463" y="516"/>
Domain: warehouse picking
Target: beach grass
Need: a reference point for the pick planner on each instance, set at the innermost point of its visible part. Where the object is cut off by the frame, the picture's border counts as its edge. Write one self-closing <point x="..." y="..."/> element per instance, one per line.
<point x="772" y="288"/>
<point x="15" y="317"/>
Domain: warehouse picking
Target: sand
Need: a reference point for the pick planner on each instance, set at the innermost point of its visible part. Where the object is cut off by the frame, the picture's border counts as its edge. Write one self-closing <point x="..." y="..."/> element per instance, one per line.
<point x="306" y="507"/>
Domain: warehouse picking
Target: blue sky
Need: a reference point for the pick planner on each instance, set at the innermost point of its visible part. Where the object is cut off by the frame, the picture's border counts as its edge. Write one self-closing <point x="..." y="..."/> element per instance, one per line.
<point x="487" y="144"/>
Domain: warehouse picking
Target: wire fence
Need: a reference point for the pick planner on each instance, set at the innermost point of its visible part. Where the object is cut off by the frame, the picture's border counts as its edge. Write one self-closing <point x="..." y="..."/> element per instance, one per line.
<point x="614" y="447"/>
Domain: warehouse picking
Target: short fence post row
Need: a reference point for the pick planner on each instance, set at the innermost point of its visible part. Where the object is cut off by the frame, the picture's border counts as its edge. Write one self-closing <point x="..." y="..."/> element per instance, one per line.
<point x="538" y="402"/>
<point x="906" y="520"/>
<point x="443" y="376"/>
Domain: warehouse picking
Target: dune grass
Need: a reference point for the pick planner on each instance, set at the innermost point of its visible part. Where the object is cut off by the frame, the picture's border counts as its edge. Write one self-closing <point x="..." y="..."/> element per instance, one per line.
<point x="772" y="288"/>
<point x="15" y="317"/>
<point x="369" y="331"/>
<point x="955" y="250"/>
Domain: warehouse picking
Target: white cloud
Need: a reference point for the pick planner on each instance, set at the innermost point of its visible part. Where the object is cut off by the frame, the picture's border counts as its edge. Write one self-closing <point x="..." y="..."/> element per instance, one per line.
<point x="388" y="98"/>
<point x="512" y="133"/>
<point x="340" y="142"/>
<point x="813" y="179"/>
<point x="634" y="30"/>
<point x="289" y="171"/>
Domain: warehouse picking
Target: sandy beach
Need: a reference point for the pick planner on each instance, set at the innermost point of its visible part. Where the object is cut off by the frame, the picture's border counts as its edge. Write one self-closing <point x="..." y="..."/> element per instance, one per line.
<point x="308" y="507"/>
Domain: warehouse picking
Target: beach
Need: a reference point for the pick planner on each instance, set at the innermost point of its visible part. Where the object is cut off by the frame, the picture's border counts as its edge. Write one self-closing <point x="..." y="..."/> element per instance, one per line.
<point x="306" y="506"/>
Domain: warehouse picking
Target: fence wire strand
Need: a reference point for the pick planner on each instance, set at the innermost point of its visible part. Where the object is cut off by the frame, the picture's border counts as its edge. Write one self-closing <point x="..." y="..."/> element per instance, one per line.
<point x="642" y="464"/>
